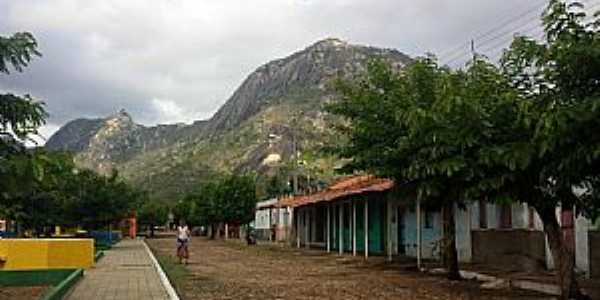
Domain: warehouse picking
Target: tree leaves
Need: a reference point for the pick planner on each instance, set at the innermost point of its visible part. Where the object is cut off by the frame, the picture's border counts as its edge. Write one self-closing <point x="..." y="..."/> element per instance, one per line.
<point x="17" y="50"/>
<point x="230" y="199"/>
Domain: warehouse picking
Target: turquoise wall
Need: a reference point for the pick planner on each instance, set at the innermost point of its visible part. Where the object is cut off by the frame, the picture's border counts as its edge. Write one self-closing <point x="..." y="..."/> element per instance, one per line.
<point x="377" y="216"/>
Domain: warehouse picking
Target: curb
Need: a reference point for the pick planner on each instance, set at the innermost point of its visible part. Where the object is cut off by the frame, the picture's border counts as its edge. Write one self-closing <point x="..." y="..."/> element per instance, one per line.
<point x="493" y="282"/>
<point x="98" y="256"/>
<point x="60" y="290"/>
<point x="163" y="277"/>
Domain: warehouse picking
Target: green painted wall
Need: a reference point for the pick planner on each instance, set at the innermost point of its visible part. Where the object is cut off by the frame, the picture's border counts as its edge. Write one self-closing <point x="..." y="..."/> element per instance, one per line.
<point x="376" y="225"/>
<point x="377" y="215"/>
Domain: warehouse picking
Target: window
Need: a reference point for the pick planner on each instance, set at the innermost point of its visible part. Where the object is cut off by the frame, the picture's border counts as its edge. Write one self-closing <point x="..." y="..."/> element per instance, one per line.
<point x="483" y="223"/>
<point x="428" y="219"/>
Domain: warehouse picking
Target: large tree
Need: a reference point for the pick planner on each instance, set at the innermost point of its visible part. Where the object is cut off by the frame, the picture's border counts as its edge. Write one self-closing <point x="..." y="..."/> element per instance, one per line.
<point x="424" y="127"/>
<point x="20" y="117"/>
<point x="37" y="204"/>
<point x="525" y="132"/>
<point x="96" y="201"/>
<point x="558" y="81"/>
<point x="153" y="213"/>
<point x="229" y="199"/>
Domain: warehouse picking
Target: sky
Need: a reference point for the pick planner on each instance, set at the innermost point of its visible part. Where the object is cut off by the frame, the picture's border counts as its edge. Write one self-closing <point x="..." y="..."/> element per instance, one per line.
<point x="168" y="61"/>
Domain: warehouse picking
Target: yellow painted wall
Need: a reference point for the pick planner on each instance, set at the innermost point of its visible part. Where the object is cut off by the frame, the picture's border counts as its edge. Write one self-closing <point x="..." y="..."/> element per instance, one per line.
<point x="27" y="254"/>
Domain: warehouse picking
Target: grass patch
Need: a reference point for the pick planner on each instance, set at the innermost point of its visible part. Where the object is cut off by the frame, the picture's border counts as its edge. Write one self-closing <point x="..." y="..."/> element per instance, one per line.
<point x="102" y="247"/>
<point x="176" y="272"/>
<point x="98" y="255"/>
<point x="59" y="280"/>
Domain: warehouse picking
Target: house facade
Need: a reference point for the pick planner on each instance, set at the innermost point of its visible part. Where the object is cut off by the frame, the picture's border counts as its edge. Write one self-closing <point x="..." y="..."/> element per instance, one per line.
<point x="360" y="215"/>
<point x="272" y="223"/>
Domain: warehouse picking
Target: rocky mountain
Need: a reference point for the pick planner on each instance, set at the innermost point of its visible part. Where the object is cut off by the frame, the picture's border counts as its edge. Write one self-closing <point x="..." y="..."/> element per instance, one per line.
<point x="277" y="109"/>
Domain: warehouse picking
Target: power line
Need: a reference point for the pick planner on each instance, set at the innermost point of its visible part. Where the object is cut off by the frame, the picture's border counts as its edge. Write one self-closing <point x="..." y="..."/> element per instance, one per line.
<point x="476" y="33"/>
<point x="505" y="36"/>
<point x="494" y="29"/>
<point x="458" y="55"/>
<point x="535" y="30"/>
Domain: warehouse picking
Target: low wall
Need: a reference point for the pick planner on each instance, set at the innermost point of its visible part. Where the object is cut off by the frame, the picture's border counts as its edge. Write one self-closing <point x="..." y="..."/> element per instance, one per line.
<point x="31" y="254"/>
<point x="59" y="280"/>
<point x="263" y="234"/>
<point x="594" y="246"/>
<point x="514" y="250"/>
<point x="7" y="234"/>
<point x="106" y="238"/>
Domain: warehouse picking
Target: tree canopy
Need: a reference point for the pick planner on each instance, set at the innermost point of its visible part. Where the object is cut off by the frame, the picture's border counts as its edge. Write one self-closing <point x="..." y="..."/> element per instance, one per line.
<point x="229" y="199"/>
<point x="525" y="130"/>
<point x="39" y="188"/>
<point x="153" y="213"/>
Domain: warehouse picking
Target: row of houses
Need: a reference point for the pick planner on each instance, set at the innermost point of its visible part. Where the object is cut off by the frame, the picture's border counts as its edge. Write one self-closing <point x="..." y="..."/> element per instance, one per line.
<point x="360" y="215"/>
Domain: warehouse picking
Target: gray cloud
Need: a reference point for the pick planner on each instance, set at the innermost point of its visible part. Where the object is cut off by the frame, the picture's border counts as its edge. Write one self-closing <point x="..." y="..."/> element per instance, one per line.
<point x="179" y="60"/>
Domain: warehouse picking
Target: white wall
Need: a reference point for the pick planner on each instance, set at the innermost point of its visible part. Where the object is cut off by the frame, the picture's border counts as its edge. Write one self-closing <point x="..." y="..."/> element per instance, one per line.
<point x="261" y="219"/>
<point x="582" y="255"/>
<point x="463" y="233"/>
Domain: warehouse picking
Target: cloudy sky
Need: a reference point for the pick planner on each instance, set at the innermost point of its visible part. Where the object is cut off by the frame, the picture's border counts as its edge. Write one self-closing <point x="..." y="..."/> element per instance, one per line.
<point x="170" y="61"/>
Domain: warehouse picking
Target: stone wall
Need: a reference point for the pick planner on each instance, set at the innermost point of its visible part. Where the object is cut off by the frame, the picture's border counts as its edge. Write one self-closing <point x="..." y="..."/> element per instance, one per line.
<point x="510" y="250"/>
<point x="594" y="242"/>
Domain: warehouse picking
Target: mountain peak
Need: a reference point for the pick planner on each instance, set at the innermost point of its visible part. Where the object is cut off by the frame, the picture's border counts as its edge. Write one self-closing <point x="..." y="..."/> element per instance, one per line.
<point x="330" y="42"/>
<point x="120" y="117"/>
<point x="235" y="138"/>
<point x="301" y="75"/>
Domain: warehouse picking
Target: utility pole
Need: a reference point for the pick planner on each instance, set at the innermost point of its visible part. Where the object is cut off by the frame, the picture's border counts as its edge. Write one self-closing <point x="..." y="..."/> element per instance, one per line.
<point x="473" y="53"/>
<point x="293" y="126"/>
<point x="295" y="149"/>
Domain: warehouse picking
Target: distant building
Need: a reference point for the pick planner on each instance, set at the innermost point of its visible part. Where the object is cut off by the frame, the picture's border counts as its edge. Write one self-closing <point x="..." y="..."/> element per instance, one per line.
<point x="270" y="222"/>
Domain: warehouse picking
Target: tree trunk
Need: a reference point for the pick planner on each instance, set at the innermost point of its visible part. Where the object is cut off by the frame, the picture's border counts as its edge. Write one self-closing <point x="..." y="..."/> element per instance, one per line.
<point x="450" y="256"/>
<point x="220" y="230"/>
<point x="20" y="232"/>
<point x="212" y="231"/>
<point x="151" y="231"/>
<point x="563" y="256"/>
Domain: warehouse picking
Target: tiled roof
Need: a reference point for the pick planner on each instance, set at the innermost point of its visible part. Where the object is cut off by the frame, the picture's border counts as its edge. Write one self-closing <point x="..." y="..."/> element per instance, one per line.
<point x="347" y="186"/>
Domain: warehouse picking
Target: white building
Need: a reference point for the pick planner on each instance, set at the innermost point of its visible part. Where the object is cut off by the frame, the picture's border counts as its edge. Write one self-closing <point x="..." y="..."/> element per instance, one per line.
<point x="270" y="222"/>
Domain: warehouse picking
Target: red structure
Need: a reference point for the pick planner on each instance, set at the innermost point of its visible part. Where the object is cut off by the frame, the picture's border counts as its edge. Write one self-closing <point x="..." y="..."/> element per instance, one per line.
<point x="133" y="226"/>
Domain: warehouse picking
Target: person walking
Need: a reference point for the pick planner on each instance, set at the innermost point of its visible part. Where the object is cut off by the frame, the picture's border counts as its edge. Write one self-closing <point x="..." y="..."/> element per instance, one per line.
<point x="183" y="239"/>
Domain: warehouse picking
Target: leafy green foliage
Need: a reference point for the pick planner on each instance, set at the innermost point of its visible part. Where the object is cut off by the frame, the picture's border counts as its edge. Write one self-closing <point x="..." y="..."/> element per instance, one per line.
<point x="526" y="131"/>
<point x="559" y="111"/>
<point x="558" y="84"/>
<point x="32" y="193"/>
<point x="45" y="190"/>
<point x="20" y="116"/>
<point x="153" y="213"/>
<point x="17" y="50"/>
<point x="427" y="127"/>
<point x="39" y="189"/>
<point x="230" y="199"/>
<point x="95" y="201"/>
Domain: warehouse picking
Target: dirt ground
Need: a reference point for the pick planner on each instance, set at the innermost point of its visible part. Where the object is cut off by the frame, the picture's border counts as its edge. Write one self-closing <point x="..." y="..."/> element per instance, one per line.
<point x="21" y="293"/>
<point x="232" y="270"/>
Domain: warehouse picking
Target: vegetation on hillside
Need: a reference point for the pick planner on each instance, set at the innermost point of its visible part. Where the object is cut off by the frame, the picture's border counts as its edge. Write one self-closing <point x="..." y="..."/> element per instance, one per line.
<point x="179" y="169"/>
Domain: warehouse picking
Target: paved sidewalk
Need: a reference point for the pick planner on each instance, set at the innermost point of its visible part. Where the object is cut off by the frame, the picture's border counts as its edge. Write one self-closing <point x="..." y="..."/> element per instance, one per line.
<point x="125" y="272"/>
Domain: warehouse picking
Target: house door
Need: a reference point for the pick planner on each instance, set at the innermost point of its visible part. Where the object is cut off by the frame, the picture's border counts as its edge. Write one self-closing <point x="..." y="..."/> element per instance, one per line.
<point x="400" y="231"/>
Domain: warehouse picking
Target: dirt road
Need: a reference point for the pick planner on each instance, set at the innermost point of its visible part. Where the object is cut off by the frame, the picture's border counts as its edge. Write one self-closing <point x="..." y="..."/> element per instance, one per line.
<point x="231" y="270"/>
